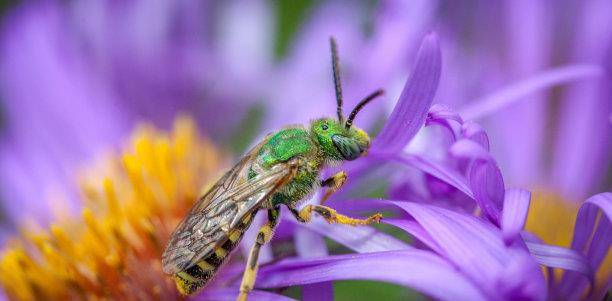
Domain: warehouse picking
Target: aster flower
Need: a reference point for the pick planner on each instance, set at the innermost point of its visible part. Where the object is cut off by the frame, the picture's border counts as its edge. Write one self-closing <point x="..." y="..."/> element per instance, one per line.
<point x="459" y="255"/>
<point x="559" y="149"/>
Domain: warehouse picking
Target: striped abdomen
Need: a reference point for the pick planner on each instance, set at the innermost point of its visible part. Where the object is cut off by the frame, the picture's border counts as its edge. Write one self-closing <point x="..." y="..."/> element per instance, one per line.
<point x="194" y="278"/>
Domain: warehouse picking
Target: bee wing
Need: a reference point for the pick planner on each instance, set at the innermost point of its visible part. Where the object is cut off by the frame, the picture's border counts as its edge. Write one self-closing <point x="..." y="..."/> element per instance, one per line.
<point x="220" y="210"/>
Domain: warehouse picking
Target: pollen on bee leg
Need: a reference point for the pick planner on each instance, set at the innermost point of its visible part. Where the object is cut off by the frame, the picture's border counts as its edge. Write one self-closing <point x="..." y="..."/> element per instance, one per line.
<point x="333" y="217"/>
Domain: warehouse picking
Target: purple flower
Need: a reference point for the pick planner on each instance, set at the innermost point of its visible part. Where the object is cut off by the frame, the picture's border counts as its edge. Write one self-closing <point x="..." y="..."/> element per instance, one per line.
<point x="448" y="186"/>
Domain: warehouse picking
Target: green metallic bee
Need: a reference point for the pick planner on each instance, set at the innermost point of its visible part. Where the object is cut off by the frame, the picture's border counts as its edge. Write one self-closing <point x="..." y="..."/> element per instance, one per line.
<point x="281" y="170"/>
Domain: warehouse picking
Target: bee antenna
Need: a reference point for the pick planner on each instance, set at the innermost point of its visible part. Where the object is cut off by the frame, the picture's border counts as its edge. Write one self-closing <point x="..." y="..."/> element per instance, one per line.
<point x="360" y="105"/>
<point x="336" y="70"/>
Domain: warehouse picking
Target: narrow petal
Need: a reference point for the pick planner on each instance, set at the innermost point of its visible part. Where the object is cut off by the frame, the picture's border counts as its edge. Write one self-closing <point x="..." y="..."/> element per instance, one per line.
<point x="559" y="257"/>
<point x="592" y="238"/>
<point x="409" y="113"/>
<point x="548" y="79"/>
<point x="437" y="170"/>
<point x="585" y="223"/>
<point x="488" y="186"/>
<point x="514" y="215"/>
<point x="417" y="269"/>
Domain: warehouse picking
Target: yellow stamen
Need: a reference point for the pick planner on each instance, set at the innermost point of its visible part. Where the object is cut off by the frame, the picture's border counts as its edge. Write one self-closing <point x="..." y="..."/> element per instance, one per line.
<point x="130" y="207"/>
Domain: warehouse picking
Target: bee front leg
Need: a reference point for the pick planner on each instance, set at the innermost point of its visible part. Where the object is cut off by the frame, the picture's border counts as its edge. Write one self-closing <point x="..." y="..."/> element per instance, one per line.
<point x="250" y="272"/>
<point x="333" y="184"/>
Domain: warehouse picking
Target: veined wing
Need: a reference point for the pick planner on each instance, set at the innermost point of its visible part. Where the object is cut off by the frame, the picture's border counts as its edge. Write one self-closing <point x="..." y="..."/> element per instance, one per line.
<point x="220" y="210"/>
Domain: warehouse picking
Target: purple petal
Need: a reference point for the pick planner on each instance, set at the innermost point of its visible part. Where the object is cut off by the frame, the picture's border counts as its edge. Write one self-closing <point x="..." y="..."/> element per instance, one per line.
<point x="514" y="215"/>
<point x="559" y="257"/>
<point x="476" y="133"/>
<point x="445" y="117"/>
<point x="494" y="102"/>
<point x="485" y="178"/>
<point x="477" y="249"/>
<point x="417" y="231"/>
<point x="586" y="219"/>
<point x="588" y="225"/>
<point x="488" y="186"/>
<point x="417" y="269"/>
<point x="437" y="170"/>
<point x="311" y="245"/>
<point x="231" y="294"/>
<point x="411" y="109"/>
<point x="470" y="149"/>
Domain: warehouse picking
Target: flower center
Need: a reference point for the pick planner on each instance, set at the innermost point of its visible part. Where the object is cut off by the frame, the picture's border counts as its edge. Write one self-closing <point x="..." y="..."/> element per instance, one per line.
<point x="113" y="250"/>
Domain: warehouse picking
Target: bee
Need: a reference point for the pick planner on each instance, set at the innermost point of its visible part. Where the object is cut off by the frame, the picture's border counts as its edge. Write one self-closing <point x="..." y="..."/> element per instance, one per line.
<point x="283" y="169"/>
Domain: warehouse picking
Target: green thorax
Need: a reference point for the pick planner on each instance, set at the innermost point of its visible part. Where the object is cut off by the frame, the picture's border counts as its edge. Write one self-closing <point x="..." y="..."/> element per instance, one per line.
<point x="283" y="146"/>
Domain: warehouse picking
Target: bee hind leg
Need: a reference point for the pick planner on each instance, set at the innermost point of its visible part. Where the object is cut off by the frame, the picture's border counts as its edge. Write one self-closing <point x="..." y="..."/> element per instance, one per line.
<point x="263" y="236"/>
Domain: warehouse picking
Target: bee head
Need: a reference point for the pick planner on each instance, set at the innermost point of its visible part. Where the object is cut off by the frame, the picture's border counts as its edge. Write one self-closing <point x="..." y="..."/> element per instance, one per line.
<point x="339" y="142"/>
<point x="339" y="139"/>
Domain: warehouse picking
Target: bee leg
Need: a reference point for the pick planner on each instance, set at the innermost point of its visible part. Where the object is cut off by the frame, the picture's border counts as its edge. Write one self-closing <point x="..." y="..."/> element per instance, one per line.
<point x="250" y="272"/>
<point x="333" y="183"/>
<point x="331" y="216"/>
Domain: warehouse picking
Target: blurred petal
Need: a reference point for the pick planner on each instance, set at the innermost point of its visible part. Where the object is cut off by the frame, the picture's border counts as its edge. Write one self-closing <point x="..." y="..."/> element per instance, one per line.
<point x="417" y="269"/>
<point x="414" y="102"/>
<point x="501" y="98"/>
<point x="582" y="149"/>
<point x="51" y="128"/>
<point x="529" y="37"/>
<point x="514" y="214"/>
